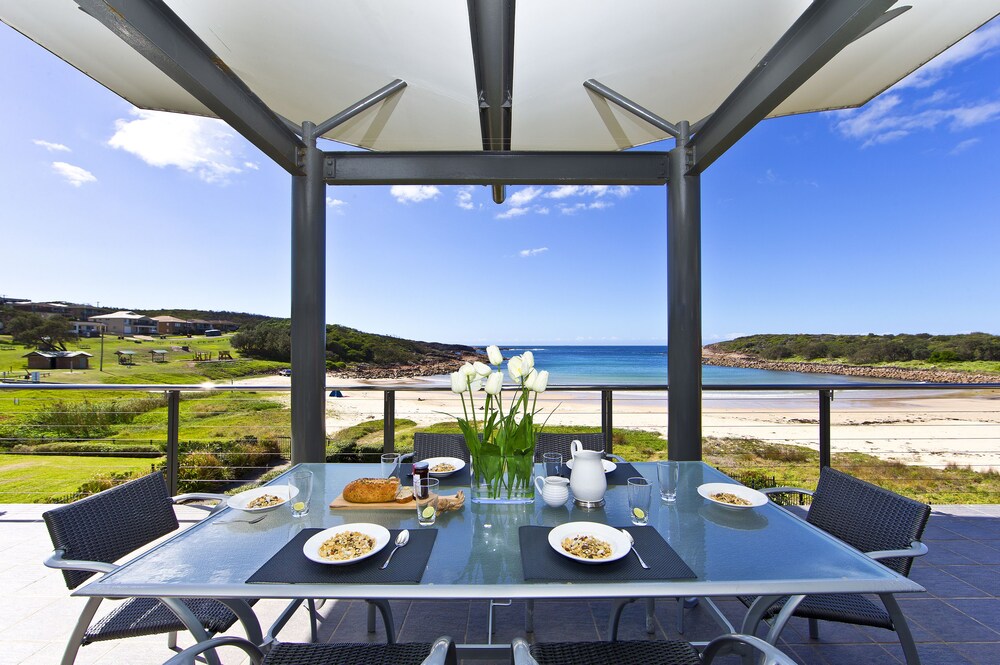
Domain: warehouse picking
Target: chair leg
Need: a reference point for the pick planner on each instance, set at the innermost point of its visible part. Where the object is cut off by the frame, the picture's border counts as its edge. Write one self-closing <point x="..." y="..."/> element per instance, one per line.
<point x="650" y="612"/>
<point x="371" y="617"/>
<point x="680" y="616"/>
<point x="172" y="640"/>
<point x="76" y="637"/>
<point x="529" y="615"/>
<point x="813" y="629"/>
<point x="902" y="629"/>
<point x="313" y="620"/>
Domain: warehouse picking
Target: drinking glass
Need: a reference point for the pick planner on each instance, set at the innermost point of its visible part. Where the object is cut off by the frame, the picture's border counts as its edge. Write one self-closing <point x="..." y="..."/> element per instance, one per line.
<point x="390" y="464"/>
<point x="553" y="463"/>
<point x="301" y="480"/>
<point x="425" y="492"/>
<point x="668" y="473"/>
<point x="639" y="491"/>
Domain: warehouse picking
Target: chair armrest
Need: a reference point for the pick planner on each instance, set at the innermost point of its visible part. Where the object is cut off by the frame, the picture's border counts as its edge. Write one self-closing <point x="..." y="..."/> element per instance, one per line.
<point x="405" y="457"/>
<point x="187" y="657"/>
<point x="200" y="496"/>
<point x="56" y="560"/>
<point x="616" y="458"/>
<point x="786" y="490"/>
<point x="521" y="653"/>
<point x="442" y="653"/>
<point x="736" y="643"/>
<point x="915" y="549"/>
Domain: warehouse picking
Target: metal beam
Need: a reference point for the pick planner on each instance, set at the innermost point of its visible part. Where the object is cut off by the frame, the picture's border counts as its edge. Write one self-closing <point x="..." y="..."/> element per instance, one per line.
<point x="495" y="168"/>
<point x="823" y="30"/>
<point x="309" y="306"/>
<point x="491" y="24"/>
<point x="158" y="34"/>
<point x="630" y="106"/>
<point x="362" y="105"/>
<point x="683" y="305"/>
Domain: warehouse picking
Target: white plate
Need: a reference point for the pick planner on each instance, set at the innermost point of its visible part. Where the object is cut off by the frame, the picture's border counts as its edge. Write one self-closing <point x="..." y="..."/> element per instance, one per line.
<point x="379" y="533"/>
<point x="609" y="466"/>
<point x="240" y="501"/>
<point x="619" y="543"/>
<point x="454" y="461"/>
<point x="755" y="498"/>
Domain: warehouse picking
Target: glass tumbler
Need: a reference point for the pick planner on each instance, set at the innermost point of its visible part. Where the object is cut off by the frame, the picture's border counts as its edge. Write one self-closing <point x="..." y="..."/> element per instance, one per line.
<point x="668" y="473"/>
<point x="553" y="463"/>
<point x="302" y="481"/>
<point x="639" y="491"/>
<point x="425" y="492"/>
<point x="390" y="464"/>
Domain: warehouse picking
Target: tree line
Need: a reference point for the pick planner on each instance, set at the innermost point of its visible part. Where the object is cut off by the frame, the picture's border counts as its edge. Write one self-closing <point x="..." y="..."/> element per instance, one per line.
<point x="869" y="349"/>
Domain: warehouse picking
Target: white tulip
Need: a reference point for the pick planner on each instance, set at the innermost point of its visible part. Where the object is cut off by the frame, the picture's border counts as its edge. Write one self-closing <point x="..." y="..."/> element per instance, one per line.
<point x="541" y="382"/>
<point x="467" y="370"/>
<point x="514" y="366"/>
<point x="528" y="360"/>
<point x="476" y="385"/>
<point x="529" y="380"/>
<point x="482" y="369"/>
<point x="458" y="383"/>
<point x="493" y="352"/>
<point x="494" y="383"/>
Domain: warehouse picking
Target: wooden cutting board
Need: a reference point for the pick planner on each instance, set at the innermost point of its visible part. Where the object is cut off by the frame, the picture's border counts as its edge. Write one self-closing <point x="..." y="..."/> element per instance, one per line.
<point x="341" y="503"/>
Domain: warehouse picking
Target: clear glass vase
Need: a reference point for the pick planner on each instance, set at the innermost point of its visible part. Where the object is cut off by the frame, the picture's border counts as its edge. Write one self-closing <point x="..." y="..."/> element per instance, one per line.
<point x="498" y="478"/>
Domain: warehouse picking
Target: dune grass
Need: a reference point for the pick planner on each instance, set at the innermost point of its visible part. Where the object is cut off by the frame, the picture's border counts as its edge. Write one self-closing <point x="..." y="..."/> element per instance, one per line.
<point x="39" y="478"/>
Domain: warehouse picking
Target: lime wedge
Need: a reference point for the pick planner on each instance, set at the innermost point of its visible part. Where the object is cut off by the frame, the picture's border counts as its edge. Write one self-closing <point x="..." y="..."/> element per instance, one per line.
<point x="299" y="506"/>
<point x="639" y="513"/>
<point x="428" y="512"/>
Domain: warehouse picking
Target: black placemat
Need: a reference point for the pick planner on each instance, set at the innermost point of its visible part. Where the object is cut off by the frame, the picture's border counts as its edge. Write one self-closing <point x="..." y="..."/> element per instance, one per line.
<point x="290" y="565"/>
<point x="541" y="563"/>
<point x="462" y="477"/>
<point x="623" y="471"/>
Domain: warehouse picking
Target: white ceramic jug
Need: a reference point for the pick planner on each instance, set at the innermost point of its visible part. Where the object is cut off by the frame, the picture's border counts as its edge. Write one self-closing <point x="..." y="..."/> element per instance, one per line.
<point x="554" y="490"/>
<point x="587" y="479"/>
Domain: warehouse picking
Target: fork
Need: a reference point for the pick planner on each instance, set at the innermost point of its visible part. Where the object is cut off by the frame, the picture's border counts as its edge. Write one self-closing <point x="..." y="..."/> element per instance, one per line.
<point x="253" y="521"/>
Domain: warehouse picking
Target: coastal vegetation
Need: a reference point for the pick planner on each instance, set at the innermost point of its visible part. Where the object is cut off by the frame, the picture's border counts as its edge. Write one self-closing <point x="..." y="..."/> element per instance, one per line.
<point x="973" y="351"/>
<point x="271" y="340"/>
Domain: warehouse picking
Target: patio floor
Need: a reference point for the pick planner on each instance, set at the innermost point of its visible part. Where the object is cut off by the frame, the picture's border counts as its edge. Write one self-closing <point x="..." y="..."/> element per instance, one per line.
<point x="957" y="621"/>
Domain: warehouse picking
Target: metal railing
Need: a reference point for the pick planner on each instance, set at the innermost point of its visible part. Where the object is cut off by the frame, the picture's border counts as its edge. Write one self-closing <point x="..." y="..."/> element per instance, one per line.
<point x="401" y="400"/>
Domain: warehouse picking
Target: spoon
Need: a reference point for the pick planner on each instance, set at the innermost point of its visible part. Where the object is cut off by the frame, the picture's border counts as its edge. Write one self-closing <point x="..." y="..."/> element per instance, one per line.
<point x="253" y="521"/>
<point x="631" y="542"/>
<point x="401" y="539"/>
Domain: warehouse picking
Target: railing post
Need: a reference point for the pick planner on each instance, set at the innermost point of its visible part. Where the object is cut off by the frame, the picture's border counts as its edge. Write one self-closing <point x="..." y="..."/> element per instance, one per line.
<point x="389" y="421"/>
<point x="825" y="397"/>
<point x="607" y="413"/>
<point x="173" y="445"/>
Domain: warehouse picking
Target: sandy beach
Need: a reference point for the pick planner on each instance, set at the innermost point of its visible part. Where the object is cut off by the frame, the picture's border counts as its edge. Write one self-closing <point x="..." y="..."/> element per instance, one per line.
<point x="932" y="428"/>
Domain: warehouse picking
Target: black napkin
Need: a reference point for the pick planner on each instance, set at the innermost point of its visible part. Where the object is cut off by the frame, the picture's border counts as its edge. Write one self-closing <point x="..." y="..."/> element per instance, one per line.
<point x="290" y="565"/>
<point x="541" y="563"/>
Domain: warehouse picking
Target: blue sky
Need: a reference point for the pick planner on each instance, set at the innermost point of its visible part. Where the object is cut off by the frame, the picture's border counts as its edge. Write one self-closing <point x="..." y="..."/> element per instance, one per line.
<point x="884" y="219"/>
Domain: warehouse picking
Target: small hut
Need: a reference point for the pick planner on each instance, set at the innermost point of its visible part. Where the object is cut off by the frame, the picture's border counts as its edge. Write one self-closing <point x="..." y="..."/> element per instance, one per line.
<point x="58" y="360"/>
<point x="125" y="357"/>
<point x="158" y="355"/>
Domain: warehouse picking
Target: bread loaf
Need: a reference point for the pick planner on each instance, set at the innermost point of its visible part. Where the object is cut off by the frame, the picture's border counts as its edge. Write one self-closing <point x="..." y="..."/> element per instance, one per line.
<point x="371" y="490"/>
<point x="405" y="495"/>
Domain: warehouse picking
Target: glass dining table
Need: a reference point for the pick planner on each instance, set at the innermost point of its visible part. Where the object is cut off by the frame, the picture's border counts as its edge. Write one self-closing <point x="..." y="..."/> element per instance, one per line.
<point x="763" y="551"/>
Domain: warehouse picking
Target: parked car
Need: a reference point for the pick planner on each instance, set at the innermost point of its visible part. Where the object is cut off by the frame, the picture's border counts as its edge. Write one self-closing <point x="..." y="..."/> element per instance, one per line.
<point x="284" y="372"/>
<point x="212" y="332"/>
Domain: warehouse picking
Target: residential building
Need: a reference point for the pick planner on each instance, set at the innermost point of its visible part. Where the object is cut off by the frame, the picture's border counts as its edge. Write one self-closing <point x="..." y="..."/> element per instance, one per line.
<point x="126" y="323"/>
<point x="171" y="325"/>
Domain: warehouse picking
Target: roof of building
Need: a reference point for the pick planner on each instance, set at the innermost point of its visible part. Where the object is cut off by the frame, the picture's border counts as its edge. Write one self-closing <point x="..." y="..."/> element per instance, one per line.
<point x="120" y="315"/>
<point x="124" y="353"/>
<point x="58" y="354"/>
<point x="169" y="319"/>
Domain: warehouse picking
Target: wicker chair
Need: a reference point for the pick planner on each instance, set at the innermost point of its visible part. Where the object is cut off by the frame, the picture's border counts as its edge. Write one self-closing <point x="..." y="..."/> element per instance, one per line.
<point x="90" y="534"/>
<point x="427" y="445"/>
<point x="670" y="652"/>
<point x="441" y="652"/>
<point x="882" y="524"/>
<point x="560" y="443"/>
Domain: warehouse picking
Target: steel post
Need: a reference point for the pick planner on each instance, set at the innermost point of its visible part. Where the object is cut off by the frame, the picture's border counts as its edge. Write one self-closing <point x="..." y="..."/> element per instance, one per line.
<point x="389" y="421"/>
<point x="683" y="304"/>
<point x="607" y="420"/>
<point x="173" y="439"/>
<point x="825" y="397"/>
<point x="309" y="306"/>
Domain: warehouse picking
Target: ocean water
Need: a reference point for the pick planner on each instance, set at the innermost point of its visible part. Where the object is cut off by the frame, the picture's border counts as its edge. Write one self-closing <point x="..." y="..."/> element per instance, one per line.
<point x="647" y="365"/>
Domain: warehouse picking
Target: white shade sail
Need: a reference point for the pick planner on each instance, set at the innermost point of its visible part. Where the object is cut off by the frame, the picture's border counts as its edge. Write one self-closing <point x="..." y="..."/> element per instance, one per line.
<point x="307" y="60"/>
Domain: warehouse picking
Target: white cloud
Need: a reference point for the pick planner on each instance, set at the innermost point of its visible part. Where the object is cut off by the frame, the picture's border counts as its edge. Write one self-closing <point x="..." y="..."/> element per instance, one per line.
<point x="336" y="205"/>
<point x="74" y="175"/>
<point x="979" y="43"/>
<point x="52" y="147"/>
<point x="964" y="145"/>
<point x="463" y="199"/>
<point x="526" y="253"/>
<point x="414" y="193"/>
<point x="541" y="211"/>
<point x="251" y="165"/>
<point x="578" y="207"/>
<point x="565" y="191"/>
<point x="512" y="212"/>
<point x="885" y="119"/>
<point x="523" y="196"/>
<point x="197" y="145"/>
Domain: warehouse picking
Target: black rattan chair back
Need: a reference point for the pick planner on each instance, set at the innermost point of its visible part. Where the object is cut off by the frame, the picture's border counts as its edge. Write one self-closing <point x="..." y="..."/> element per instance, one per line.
<point x="427" y="445"/>
<point x="107" y="526"/>
<point x="559" y="443"/>
<point x="866" y="516"/>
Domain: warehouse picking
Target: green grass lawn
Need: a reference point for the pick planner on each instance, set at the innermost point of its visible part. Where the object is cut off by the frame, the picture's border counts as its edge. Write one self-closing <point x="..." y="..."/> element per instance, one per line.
<point x="38" y="478"/>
